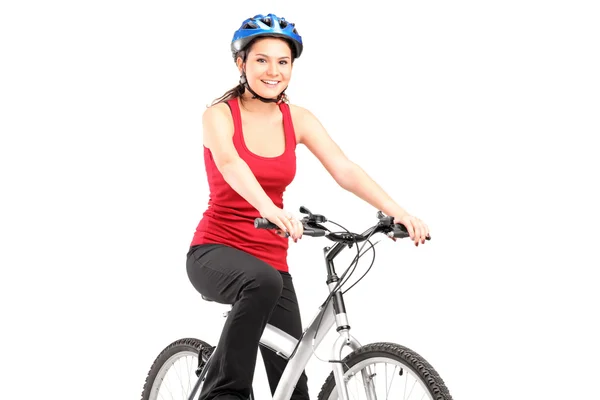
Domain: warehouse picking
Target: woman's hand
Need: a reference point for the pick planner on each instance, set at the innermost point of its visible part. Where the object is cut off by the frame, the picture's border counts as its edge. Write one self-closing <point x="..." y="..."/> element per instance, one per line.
<point x="416" y="228"/>
<point x="286" y="222"/>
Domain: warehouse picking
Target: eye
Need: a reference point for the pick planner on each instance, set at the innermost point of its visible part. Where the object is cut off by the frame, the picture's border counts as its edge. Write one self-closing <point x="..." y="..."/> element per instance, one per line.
<point x="283" y="62"/>
<point x="261" y="60"/>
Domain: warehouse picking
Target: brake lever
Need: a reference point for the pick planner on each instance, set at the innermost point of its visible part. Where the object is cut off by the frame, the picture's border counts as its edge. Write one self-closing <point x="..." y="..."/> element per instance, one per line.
<point x="310" y="223"/>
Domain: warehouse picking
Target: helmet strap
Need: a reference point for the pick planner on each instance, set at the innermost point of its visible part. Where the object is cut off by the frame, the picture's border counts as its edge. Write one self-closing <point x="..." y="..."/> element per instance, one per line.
<point x="244" y="82"/>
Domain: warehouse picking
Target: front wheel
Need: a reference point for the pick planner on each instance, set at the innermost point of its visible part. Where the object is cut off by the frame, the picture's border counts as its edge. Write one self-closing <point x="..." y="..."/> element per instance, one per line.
<point x="175" y="371"/>
<point x="382" y="371"/>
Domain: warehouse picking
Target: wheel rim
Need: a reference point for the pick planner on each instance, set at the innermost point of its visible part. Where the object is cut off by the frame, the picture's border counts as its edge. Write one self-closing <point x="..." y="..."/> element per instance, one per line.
<point x="391" y="379"/>
<point x="175" y="379"/>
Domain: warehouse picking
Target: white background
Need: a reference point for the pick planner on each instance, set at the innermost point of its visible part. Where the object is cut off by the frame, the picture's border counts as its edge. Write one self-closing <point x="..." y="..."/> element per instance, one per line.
<point x="478" y="117"/>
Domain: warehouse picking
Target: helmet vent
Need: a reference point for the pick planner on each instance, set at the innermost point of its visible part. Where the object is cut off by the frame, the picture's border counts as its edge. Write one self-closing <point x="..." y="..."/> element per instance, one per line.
<point x="250" y="25"/>
<point x="267" y="21"/>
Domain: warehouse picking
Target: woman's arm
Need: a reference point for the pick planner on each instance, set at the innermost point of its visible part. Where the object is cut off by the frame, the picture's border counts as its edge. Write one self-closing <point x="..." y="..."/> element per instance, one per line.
<point x="349" y="175"/>
<point x="217" y="137"/>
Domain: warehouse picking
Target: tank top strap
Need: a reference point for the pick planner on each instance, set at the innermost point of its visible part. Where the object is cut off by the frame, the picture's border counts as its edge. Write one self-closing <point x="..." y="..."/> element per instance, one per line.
<point x="288" y="127"/>
<point x="237" y="120"/>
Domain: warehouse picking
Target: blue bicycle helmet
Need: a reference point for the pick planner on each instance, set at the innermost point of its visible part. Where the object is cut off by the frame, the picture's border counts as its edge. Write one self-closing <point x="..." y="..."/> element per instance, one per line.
<point x="261" y="26"/>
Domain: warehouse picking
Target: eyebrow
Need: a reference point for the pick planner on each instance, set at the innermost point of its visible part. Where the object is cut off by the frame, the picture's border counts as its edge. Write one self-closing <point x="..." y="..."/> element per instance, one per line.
<point x="264" y="55"/>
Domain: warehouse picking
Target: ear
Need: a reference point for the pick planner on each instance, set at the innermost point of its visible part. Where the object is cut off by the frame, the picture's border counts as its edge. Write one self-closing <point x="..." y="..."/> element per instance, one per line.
<point x="240" y="64"/>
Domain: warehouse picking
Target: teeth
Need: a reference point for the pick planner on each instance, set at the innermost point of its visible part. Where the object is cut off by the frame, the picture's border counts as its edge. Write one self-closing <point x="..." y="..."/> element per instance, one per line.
<point x="271" y="82"/>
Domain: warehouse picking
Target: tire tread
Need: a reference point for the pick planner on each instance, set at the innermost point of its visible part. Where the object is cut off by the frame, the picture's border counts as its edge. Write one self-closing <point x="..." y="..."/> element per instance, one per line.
<point x="425" y="371"/>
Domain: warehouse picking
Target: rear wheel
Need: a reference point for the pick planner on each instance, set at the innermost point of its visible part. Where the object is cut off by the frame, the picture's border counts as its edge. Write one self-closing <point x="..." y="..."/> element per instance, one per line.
<point x="175" y="371"/>
<point x="382" y="371"/>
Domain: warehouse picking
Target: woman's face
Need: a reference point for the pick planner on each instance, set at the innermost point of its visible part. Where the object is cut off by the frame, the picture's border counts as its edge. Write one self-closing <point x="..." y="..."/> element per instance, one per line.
<point x="268" y="66"/>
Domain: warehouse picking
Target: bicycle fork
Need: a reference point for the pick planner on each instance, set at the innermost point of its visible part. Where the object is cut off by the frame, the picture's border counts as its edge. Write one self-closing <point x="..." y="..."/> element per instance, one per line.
<point x="346" y="339"/>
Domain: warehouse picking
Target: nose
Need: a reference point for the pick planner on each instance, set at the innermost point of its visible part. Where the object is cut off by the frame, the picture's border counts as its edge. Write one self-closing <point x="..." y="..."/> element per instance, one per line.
<point x="273" y="69"/>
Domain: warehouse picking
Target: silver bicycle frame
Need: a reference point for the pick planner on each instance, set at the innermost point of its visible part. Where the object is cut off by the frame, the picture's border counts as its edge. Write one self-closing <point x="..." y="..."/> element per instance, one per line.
<point x="299" y="352"/>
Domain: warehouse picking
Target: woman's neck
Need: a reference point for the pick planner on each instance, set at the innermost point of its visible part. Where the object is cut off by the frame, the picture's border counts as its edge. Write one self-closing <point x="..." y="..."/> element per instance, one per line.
<point x="255" y="105"/>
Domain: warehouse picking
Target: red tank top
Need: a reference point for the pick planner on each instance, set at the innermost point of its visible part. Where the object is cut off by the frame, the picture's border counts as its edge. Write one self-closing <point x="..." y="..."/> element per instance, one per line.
<point x="229" y="218"/>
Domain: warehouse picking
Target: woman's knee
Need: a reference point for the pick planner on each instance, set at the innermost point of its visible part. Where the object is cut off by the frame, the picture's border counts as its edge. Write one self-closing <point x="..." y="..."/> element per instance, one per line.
<point x="267" y="285"/>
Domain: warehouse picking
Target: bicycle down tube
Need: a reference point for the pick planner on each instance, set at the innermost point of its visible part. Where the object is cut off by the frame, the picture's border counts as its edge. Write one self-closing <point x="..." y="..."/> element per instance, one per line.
<point x="299" y="352"/>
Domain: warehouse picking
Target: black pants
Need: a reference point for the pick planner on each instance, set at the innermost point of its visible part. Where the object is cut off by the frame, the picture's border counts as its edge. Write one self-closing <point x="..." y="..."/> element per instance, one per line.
<point x="260" y="294"/>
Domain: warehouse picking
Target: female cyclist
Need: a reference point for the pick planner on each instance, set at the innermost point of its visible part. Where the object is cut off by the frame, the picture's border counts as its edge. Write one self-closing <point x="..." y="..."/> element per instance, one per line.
<point x="250" y="135"/>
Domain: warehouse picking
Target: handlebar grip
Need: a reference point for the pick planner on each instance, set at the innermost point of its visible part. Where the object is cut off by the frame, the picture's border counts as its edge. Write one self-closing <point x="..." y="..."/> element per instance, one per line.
<point x="263" y="223"/>
<point x="401" y="232"/>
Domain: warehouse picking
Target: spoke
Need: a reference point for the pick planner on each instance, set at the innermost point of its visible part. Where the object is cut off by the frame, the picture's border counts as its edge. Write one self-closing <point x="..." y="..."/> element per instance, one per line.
<point x="375" y="377"/>
<point x="411" y="389"/>
<point x="372" y="381"/>
<point x="405" y="384"/>
<point x="166" y="383"/>
<point x="171" y="377"/>
<point x="178" y="373"/>
<point x="161" y="396"/>
<point x="181" y="375"/>
<point x="387" y="393"/>
<point x="189" y="369"/>
<point x="350" y="395"/>
<point x="386" y="384"/>
<point x="365" y="373"/>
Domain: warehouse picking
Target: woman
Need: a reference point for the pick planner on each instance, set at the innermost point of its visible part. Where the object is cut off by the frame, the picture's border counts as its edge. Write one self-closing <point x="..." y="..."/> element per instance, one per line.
<point x="250" y="135"/>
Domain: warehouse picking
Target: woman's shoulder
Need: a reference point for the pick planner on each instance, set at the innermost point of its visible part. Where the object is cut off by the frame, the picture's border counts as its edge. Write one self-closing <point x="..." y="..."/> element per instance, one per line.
<point x="295" y="108"/>
<point x="219" y="108"/>
<point x="303" y="118"/>
<point x="217" y="121"/>
<point x="301" y="114"/>
<point x="218" y="112"/>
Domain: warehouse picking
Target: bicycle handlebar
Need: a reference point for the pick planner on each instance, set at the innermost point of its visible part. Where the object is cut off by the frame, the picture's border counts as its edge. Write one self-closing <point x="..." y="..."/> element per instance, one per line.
<point x="313" y="228"/>
<point x="312" y="224"/>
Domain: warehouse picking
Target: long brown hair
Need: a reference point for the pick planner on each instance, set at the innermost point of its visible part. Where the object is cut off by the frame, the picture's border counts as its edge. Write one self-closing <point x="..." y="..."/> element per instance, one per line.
<point x="239" y="90"/>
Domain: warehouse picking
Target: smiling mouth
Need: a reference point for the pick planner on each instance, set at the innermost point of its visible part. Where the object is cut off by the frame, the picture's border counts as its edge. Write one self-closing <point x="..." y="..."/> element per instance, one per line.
<point x="270" y="83"/>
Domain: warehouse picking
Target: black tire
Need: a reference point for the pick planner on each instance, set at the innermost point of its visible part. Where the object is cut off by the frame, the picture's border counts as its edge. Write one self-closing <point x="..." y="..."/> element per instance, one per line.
<point x="179" y="346"/>
<point x="417" y="364"/>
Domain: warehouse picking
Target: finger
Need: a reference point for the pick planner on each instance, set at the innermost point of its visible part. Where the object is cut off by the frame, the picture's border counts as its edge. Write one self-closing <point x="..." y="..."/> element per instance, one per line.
<point x="289" y="226"/>
<point x="278" y="221"/>
<point x="293" y="223"/>
<point x="417" y="230"/>
<point x="282" y="233"/>
<point x="410" y="229"/>
<point x="425" y="232"/>
<point x="299" y="228"/>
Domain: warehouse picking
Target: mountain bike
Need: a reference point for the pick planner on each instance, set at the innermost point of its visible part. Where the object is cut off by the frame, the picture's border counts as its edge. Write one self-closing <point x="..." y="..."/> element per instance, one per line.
<point x="374" y="371"/>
